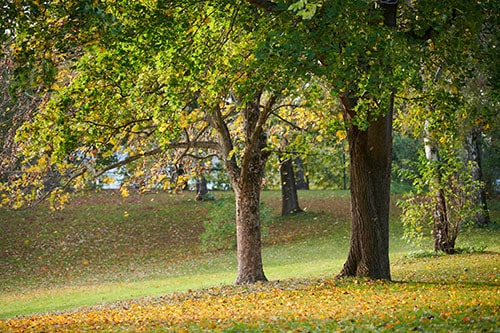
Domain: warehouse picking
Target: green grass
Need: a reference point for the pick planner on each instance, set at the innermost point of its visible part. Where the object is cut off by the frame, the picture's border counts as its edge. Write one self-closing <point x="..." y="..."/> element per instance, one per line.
<point x="104" y="248"/>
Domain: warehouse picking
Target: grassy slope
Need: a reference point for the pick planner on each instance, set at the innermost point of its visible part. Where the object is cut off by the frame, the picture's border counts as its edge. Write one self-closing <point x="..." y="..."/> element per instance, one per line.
<point x="105" y="248"/>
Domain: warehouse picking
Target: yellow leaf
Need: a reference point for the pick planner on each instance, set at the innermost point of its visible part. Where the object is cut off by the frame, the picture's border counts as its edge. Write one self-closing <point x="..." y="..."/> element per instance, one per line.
<point x="341" y="135"/>
<point x="431" y="46"/>
<point x="124" y="191"/>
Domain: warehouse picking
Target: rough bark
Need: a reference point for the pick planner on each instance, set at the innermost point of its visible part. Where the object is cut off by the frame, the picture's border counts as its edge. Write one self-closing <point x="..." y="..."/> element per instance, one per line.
<point x="344" y="171"/>
<point x="370" y="153"/>
<point x="248" y="231"/>
<point x="479" y="196"/>
<point x="289" y="197"/>
<point x="444" y="236"/>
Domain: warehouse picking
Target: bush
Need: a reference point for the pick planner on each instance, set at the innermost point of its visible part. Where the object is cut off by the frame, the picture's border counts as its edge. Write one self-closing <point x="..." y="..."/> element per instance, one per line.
<point x="442" y="203"/>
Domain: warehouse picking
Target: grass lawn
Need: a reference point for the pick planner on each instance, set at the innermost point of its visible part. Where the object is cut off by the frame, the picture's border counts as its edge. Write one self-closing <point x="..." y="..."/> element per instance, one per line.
<point x="113" y="263"/>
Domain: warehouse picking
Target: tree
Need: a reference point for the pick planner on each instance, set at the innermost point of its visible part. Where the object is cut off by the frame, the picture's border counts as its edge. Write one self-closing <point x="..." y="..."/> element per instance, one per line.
<point x="445" y="113"/>
<point x="164" y="81"/>
<point x="349" y="45"/>
<point x="473" y="147"/>
<point x="16" y="107"/>
<point x="368" y="120"/>
<point x="368" y="52"/>
<point x="294" y="130"/>
<point x="441" y="199"/>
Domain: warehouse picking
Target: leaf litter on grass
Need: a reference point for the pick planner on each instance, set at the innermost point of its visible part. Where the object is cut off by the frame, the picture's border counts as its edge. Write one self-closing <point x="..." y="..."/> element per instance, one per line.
<point x="91" y="238"/>
<point x="299" y="305"/>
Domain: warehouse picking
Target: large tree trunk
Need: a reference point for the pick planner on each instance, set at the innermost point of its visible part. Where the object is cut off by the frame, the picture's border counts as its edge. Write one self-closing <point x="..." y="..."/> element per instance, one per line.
<point x="289" y="197"/>
<point x="370" y="166"/>
<point x="479" y="195"/>
<point x="248" y="231"/>
<point x="247" y="185"/>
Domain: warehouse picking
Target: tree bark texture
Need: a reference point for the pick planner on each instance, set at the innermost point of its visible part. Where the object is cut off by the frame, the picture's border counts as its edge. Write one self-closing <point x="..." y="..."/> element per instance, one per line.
<point x="248" y="232"/>
<point x="479" y="196"/>
<point x="289" y="197"/>
<point x="370" y="152"/>
<point x="444" y="237"/>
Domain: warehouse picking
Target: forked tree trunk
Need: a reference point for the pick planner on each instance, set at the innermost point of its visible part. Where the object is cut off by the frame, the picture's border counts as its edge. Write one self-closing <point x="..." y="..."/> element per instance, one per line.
<point x="289" y="197"/>
<point x="444" y="236"/>
<point x="246" y="181"/>
<point x="370" y="165"/>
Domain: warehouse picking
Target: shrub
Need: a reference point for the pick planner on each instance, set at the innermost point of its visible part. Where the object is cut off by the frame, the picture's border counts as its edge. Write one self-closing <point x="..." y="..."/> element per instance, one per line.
<point x="442" y="195"/>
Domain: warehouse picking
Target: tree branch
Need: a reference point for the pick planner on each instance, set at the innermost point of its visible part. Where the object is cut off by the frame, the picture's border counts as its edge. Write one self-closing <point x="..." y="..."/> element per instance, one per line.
<point x="128" y="160"/>
<point x="175" y="145"/>
<point x="135" y="121"/>
<point x="198" y="157"/>
<point x="225" y="136"/>
<point x="287" y="121"/>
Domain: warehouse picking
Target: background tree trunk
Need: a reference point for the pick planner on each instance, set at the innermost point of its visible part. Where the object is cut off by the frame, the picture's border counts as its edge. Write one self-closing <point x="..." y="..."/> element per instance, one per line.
<point x="301" y="181"/>
<point x="289" y="197"/>
<point x="443" y="240"/>
<point x="370" y="153"/>
<point x="479" y="196"/>
<point x="201" y="187"/>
